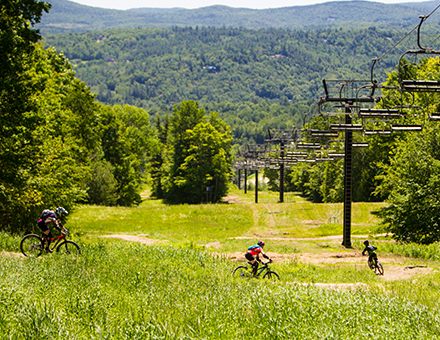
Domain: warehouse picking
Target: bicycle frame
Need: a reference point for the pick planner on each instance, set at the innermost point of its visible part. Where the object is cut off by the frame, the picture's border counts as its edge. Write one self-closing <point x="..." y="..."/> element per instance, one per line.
<point x="262" y="269"/>
<point x="57" y="240"/>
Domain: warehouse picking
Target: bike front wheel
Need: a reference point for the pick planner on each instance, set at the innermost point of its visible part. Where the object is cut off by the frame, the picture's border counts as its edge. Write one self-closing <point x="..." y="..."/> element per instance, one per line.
<point x="31" y="245"/>
<point x="379" y="268"/>
<point x="69" y="247"/>
<point x="242" y="271"/>
<point x="270" y="275"/>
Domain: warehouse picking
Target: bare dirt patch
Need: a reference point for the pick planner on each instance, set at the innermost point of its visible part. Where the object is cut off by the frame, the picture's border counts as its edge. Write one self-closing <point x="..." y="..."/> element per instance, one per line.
<point x="11" y="254"/>
<point x="215" y="245"/>
<point x="394" y="268"/>
<point x="133" y="238"/>
<point x="392" y="273"/>
<point x="231" y="199"/>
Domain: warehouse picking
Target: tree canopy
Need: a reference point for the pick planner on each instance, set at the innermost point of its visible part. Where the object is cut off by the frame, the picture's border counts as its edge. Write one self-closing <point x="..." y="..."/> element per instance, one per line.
<point x="411" y="178"/>
<point x="198" y="166"/>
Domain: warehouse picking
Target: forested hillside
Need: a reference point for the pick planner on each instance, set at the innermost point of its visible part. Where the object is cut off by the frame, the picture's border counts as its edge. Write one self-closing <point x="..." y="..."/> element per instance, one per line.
<point x="66" y="16"/>
<point x="255" y="79"/>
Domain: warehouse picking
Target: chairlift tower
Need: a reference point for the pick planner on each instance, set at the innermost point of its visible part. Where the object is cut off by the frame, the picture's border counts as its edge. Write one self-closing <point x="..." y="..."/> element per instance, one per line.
<point x="348" y="96"/>
<point x="356" y="97"/>
<point x="254" y="155"/>
<point x="282" y="138"/>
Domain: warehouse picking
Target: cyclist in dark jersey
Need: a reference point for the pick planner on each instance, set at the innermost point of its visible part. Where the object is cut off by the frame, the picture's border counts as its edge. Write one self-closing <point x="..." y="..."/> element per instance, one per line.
<point x="49" y="217"/>
<point x="253" y="255"/>
<point x="371" y="250"/>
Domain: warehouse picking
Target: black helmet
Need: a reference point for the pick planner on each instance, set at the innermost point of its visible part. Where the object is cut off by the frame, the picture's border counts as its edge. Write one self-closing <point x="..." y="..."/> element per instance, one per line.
<point x="261" y="243"/>
<point x="366" y="242"/>
<point x="60" y="211"/>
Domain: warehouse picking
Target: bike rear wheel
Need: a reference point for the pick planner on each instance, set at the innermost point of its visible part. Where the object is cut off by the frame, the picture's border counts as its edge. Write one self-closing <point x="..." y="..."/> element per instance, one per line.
<point x="31" y="245"/>
<point x="242" y="271"/>
<point x="270" y="275"/>
<point x="69" y="247"/>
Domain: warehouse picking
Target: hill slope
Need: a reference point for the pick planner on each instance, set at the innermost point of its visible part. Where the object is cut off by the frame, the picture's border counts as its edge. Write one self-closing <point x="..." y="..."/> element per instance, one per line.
<point x="66" y="16"/>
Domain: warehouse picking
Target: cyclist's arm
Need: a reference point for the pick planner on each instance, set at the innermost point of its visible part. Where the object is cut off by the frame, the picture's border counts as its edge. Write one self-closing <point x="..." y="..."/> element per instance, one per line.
<point x="265" y="256"/>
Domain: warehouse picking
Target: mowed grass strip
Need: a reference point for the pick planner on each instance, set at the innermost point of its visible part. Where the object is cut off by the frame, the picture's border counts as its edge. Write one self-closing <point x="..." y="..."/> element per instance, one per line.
<point x="218" y="222"/>
<point x="176" y="223"/>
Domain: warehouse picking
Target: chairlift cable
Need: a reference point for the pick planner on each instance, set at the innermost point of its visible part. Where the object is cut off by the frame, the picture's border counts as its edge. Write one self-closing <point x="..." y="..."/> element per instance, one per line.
<point x="399" y="42"/>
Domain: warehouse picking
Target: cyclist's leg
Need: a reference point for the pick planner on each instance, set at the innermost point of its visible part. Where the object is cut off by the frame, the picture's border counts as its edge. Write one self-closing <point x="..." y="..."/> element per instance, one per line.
<point x="47" y="235"/>
<point x="253" y="262"/>
<point x="47" y="239"/>
<point x="375" y="259"/>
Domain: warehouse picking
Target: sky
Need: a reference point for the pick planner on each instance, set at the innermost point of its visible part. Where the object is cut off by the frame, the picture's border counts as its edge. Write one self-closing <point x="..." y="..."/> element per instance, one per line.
<point x="190" y="4"/>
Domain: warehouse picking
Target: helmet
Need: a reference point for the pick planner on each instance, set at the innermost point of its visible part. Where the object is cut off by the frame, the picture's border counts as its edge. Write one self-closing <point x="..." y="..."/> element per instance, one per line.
<point x="60" y="211"/>
<point x="261" y="243"/>
<point x="366" y="242"/>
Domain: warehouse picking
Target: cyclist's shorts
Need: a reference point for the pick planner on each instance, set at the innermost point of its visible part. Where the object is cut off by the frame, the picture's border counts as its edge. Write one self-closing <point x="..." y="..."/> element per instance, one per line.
<point x="249" y="257"/>
<point x="42" y="226"/>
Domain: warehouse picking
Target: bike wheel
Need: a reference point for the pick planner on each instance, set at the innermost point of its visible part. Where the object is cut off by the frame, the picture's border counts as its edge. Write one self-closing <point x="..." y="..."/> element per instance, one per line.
<point x="31" y="245"/>
<point x="379" y="268"/>
<point x="242" y="271"/>
<point x="270" y="275"/>
<point x="371" y="265"/>
<point x="69" y="247"/>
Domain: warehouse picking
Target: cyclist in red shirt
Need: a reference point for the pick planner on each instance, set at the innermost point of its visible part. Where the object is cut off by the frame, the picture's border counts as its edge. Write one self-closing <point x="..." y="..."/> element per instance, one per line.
<point x="253" y="255"/>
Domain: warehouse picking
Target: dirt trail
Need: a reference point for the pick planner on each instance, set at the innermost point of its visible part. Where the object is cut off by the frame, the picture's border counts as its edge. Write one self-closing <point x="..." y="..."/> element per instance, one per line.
<point x="337" y="238"/>
<point x="393" y="266"/>
<point x="10" y="254"/>
<point x="133" y="238"/>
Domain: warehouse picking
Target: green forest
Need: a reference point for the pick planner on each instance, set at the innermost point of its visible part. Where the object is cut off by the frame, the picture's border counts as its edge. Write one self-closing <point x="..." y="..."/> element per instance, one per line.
<point x="256" y="80"/>
<point x="100" y="114"/>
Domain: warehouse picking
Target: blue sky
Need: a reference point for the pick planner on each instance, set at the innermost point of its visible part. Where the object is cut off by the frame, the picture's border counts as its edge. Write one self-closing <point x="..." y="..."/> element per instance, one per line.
<point x="256" y="4"/>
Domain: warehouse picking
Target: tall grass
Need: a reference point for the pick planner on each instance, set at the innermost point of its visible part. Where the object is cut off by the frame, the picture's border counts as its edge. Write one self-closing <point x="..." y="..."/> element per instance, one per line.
<point x="130" y="291"/>
<point x="9" y="242"/>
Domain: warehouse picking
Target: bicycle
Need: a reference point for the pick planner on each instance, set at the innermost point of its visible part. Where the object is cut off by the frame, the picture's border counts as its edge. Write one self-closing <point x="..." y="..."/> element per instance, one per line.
<point x="246" y="272"/>
<point x="32" y="245"/>
<point x="375" y="266"/>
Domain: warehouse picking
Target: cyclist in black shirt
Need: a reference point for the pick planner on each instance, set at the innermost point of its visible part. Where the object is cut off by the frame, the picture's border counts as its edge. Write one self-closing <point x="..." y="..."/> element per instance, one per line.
<point x="371" y="250"/>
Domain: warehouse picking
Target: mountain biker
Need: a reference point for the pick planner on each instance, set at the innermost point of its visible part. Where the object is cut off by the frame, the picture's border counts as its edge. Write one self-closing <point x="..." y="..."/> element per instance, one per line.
<point x="48" y="217"/>
<point x="253" y="255"/>
<point x="371" y="250"/>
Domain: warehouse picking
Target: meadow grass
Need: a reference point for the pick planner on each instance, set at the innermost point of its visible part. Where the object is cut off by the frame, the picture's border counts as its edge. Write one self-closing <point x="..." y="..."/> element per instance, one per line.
<point x="220" y="222"/>
<point x="196" y="223"/>
<point x="178" y="289"/>
<point x="121" y="290"/>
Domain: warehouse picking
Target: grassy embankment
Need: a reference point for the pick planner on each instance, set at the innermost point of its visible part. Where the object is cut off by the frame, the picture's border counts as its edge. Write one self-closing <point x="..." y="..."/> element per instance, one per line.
<point x="178" y="290"/>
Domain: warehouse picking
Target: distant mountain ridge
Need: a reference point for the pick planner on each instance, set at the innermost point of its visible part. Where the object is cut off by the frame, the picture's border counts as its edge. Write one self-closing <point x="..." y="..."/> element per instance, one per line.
<point x="66" y="16"/>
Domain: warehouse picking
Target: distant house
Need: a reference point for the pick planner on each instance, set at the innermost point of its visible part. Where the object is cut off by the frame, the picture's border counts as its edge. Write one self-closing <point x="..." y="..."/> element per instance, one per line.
<point x="109" y="60"/>
<point x="277" y="56"/>
<point x="213" y="69"/>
